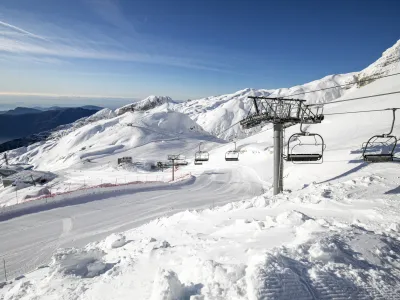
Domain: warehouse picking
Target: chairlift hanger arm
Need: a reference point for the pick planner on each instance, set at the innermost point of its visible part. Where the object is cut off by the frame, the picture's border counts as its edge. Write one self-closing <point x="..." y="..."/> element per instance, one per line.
<point x="393" y="121"/>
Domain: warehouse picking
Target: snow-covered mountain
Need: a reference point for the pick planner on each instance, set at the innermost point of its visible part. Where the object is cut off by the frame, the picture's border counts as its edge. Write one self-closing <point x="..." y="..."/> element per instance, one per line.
<point x="217" y="113"/>
<point x="105" y="134"/>
<point x="145" y="104"/>
<point x="389" y="62"/>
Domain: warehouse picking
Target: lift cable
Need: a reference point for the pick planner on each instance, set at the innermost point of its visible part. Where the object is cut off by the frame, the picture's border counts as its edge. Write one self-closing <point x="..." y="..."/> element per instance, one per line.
<point x="361" y="111"/>
<point x="357" y="98"/>
<point x="343" y="85"/>
<point x="189" y="150"/>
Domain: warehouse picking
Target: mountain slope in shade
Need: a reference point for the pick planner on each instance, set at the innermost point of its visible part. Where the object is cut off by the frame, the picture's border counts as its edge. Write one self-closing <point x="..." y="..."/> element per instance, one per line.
<point x="24" y="125"/>
<point x="20" y="111"/>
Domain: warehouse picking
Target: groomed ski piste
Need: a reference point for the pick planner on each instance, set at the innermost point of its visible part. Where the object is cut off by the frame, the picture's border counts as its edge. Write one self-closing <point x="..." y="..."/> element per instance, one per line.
<point x="218" y="232"/>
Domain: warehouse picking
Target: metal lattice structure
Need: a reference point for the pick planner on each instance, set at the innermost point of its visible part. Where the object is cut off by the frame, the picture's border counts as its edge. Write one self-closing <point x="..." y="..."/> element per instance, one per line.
<point x="282" y="113"/>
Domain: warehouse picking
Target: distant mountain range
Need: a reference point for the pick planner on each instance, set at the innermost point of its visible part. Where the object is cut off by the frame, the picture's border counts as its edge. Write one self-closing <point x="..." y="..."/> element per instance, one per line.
<point x="23" y="121"/>
<point x="35" y="110"/>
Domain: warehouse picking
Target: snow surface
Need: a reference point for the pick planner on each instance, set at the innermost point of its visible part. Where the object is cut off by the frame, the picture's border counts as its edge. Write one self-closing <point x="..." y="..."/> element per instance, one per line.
<point x="333" y="234"/>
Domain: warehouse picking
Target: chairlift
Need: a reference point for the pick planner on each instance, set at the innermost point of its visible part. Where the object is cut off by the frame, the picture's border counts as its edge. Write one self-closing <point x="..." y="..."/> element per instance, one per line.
<point x="201" y="156"/>
<point x="232" y="155"/>
<point x="381" y="148"/>
<point x="308" y="149"/>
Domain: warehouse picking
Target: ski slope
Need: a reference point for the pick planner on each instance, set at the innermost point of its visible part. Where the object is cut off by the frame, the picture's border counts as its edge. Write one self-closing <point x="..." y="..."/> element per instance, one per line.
<point x="78" y="224"/>
<point x="333" y="234"/>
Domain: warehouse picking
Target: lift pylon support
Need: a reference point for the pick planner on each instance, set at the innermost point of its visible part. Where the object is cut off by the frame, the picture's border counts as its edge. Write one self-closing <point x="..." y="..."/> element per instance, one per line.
<point x="281" y="112"/>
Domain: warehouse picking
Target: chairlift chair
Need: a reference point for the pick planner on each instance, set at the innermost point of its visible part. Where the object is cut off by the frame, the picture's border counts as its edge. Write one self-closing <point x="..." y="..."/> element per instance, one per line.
<point x="232" y="155"/>
<point x="201" y="156"/>
<point x="384" y="143"/>
<point x="314" y="148"/>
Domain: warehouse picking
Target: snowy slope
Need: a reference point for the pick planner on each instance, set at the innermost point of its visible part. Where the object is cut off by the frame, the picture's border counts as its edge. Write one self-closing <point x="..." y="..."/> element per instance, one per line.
<point x="332" y="241"/>
<point x="145" y="104"/>
<point x="86" y="152"/>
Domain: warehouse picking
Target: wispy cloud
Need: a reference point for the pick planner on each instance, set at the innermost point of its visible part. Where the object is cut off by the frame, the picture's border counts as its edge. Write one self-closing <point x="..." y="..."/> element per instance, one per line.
<point x="20" y="30"/>
<point x="51" y="42"/>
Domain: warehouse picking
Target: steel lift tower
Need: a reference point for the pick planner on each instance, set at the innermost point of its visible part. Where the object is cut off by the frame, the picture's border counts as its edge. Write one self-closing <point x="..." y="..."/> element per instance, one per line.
<point x="282" y="113"/>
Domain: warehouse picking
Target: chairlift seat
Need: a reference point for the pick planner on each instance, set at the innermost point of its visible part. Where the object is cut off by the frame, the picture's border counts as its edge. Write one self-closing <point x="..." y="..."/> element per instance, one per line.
<point x="378" y="157"/>
<point x="201" y="156"/>
<point x="232" y="156"/>
<point x="181" y="163"/>
<point x="304" y="157"/>
<point x="196" y="162"/>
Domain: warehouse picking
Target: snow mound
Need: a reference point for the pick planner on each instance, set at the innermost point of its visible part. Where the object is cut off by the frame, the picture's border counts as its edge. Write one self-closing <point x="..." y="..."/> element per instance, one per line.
<point x="115" y="241"/>
<point x="80" y="263"/>
<point x="167" y="286"/>
<point x="292" y="218"/>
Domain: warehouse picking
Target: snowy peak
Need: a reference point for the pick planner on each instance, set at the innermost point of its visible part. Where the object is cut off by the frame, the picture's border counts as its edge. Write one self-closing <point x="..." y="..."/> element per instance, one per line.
<point x="323" y="90"/>
<point x="387" y="63"/>
<point x="145" y="104"/>
<point x="217" y="114"/>
<point x="103" y="114"/>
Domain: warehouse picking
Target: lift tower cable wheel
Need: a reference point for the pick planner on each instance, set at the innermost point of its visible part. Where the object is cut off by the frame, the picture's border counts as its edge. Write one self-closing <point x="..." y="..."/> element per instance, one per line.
<point x="281" y="112"/>
<point x="384" y="143"/>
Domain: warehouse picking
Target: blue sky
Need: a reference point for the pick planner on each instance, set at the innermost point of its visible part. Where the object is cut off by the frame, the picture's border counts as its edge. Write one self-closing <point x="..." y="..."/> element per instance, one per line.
<point x="102" y="49"/>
